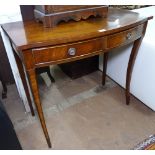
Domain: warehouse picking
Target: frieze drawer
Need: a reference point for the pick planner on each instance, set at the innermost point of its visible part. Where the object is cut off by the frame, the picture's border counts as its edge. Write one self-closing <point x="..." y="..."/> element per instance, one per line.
<point x="125" y="37"/>
<point x="69" y="51"/>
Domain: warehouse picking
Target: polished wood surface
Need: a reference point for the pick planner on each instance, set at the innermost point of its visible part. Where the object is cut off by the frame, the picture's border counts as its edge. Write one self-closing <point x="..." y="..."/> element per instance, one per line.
<point x="37" y="46"/>
<point x="52" y="15"/>
<point x="130" y="67"/>
<point x="48" y="9"/>
<point x="33" y="83"/>
<point x="131" y="62"/>
<point x="125" y="37"/>
<point x="63" y="52"/>
<point x="26" y="35"/>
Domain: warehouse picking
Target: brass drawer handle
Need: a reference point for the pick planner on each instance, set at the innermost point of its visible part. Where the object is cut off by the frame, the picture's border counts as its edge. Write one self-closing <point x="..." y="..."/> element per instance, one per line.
<point x="72" y="51"/>
<point x="129" y="36"/>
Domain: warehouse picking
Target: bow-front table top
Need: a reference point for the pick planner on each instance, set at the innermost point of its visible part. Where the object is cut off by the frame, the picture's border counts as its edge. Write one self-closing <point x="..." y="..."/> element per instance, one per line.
<point x="30" y="34"/>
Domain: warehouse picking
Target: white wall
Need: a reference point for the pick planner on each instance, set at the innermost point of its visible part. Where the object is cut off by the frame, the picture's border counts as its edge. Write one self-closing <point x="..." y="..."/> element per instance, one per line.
<point x="143" y="77"/>
<point x="11" y="13"/>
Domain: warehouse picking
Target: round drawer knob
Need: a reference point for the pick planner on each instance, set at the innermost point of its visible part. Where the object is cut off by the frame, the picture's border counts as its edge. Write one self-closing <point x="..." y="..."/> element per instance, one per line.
<point x="129" y="36"/>
<point x="72" y="51"/>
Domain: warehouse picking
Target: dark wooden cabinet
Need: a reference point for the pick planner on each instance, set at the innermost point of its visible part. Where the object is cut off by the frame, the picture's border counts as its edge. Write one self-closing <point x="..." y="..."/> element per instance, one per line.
<point x="51" y="15"/>
<point x="80" y="68"/>
<point x="5" y="69"/>
<point x="27" y="12"/>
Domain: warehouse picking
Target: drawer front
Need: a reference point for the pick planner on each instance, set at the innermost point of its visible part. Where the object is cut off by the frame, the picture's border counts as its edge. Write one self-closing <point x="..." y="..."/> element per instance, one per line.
<point x="125" y="37"/>
<point x="69" y="51"/>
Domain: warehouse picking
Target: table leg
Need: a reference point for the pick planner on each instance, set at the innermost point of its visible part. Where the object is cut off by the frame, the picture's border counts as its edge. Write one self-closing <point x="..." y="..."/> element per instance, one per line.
<point x="23" y="78"/>
<point x="35" y="92"/>
<point x="49" y="74"/>
<point x="131" y="62"/>
<point x="4" y="91"/>
<point x="105" y="60"/>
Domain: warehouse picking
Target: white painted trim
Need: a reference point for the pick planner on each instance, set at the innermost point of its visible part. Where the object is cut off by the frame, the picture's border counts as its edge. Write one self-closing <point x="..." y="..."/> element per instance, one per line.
<point x="15" y="70"/>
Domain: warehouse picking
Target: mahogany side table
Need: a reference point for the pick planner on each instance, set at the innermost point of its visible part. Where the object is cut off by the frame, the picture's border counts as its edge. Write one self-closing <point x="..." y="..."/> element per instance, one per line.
<point x="36" y="46"/>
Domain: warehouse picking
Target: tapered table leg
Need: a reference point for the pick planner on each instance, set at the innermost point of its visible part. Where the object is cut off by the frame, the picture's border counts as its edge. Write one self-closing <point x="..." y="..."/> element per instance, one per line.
<point x="23" y="78"/>
<point x="105" y="60"/>
<point x="35" y="91"/>
<point x="4" y="91"/>
<point x="131" y="62"/>
<point x="50" y="76"/>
